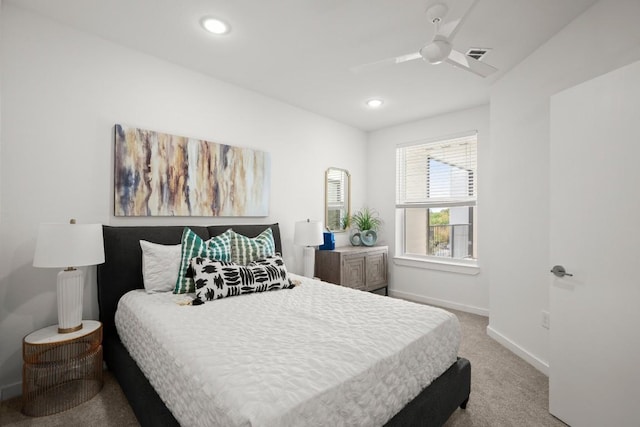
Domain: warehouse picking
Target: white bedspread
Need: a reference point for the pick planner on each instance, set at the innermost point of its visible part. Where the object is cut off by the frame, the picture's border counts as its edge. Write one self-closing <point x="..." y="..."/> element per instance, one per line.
<point x="315" y="355"/>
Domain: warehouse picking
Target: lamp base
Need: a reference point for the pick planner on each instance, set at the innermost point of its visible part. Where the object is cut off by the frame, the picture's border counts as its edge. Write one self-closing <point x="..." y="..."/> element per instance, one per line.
<point x="308" y="256"/>
<point x="70" y="285"/>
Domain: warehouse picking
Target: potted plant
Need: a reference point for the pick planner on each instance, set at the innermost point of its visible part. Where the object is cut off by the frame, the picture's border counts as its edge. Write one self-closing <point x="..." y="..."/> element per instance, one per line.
<point x="366" y="223"/>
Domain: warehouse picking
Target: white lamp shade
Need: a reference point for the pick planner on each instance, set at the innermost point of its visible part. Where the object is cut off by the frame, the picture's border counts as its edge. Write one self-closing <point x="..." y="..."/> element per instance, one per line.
<point x="308" y="233"/>
<point x="69" y="245"/>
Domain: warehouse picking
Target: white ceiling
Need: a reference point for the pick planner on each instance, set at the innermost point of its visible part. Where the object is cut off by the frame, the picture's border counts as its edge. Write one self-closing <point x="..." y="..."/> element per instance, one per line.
<point x="301" y="51"/>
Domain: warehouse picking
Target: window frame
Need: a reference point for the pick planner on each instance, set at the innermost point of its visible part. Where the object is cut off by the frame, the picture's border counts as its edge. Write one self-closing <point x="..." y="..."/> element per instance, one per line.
<point x="456" y="265"/>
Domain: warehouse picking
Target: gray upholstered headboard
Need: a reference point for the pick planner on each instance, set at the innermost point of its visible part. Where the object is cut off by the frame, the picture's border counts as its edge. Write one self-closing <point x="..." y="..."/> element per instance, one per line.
<point x="122" y="269"/>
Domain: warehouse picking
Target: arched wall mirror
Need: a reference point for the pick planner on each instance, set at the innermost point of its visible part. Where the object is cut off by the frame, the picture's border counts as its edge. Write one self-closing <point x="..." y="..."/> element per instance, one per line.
<point x="337" y="199"/>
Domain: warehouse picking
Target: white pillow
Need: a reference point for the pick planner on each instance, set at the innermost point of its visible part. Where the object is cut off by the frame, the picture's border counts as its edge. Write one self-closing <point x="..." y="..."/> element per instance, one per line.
<point x="160" y="266"/>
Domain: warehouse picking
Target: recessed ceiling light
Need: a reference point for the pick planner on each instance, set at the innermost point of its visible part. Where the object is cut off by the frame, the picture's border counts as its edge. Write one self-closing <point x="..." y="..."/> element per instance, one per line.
<point x="375" y="103"/>
<point x="215" y="25"/>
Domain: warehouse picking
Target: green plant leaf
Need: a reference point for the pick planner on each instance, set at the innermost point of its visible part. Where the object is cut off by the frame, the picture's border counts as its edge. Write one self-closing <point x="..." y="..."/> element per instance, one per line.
<point x="366" y="219"/>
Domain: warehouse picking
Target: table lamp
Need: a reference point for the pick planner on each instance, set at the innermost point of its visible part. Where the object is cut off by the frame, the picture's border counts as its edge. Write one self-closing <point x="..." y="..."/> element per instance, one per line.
<point x="69" y="246"/>
<point x="308" y="234"/>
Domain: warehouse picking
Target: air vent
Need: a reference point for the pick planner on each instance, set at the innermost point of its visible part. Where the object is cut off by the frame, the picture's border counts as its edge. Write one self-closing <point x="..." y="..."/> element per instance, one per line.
<point x="477" y="52"/>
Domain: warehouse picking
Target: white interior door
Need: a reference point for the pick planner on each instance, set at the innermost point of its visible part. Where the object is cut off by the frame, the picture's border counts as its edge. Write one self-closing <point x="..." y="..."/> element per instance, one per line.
<point x="595" y="234"/>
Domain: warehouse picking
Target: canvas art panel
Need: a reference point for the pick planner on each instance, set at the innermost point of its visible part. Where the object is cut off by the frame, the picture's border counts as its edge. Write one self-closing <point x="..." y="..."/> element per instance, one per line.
<point x="157" y="174"/>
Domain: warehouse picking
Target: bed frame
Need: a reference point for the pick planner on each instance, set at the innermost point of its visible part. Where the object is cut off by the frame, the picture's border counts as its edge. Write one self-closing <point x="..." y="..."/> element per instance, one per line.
<point x="122" y="272"/>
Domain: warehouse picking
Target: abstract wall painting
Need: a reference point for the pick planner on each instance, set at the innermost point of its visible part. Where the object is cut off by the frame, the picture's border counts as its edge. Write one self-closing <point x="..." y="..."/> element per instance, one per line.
<point x="158" y="174"/>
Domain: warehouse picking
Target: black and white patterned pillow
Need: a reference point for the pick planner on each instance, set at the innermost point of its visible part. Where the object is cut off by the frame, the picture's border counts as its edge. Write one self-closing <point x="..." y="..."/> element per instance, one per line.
<point x="221" y="279"/>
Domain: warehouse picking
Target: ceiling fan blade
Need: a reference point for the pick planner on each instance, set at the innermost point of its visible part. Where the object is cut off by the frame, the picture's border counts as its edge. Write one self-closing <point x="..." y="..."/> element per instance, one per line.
<point x="384" y="62"/>
<point x="408" y="57"/>
<point x="449" y="29"/>
<point x="461" y="60"/>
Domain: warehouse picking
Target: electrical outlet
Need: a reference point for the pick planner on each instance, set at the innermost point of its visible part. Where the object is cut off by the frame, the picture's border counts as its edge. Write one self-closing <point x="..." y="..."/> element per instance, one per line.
<point x="546" y="321"/>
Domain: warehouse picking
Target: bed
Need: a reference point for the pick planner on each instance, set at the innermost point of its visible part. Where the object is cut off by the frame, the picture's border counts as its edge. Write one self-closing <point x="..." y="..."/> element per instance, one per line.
<point x="122" y="273"/>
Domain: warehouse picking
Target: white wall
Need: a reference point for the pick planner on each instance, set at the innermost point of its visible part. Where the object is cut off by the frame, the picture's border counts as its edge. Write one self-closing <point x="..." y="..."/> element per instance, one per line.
<point x="448" y="289"/>
<point x="1" y="62"/>
<point x="62" y="92"/>
<point x="604" y="38"/>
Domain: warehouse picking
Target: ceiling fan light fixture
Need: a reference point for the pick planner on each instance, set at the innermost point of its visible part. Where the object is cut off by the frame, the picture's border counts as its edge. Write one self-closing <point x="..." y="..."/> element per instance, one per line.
<point x="436" y="51"/>
<point x="215" y="26"/>
<point x="374" y="103"/>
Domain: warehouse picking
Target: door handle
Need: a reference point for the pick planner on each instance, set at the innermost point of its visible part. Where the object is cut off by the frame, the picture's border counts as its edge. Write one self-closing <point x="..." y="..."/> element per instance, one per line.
<point x="559" y="271"/>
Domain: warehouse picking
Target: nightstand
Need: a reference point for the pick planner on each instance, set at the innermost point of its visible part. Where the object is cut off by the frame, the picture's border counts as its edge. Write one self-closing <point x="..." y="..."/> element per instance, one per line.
<point x="358" y="267"/>
<point x="61" y="371"/>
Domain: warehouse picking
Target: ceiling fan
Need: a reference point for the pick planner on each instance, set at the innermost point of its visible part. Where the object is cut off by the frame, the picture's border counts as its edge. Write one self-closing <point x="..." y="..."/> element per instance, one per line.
<point x="440" y="48"/>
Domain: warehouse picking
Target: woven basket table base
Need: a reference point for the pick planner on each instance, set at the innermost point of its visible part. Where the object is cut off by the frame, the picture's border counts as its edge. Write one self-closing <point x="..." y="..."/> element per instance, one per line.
<point x="60" y="375"/>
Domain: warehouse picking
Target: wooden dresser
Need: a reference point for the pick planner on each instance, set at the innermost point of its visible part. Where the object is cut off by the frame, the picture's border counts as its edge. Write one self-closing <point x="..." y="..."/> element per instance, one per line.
<point x="358" y="267"/>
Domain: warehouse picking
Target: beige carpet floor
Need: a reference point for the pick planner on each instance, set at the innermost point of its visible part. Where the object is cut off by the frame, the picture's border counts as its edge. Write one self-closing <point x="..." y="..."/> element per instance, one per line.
<point x="505" y="391"/>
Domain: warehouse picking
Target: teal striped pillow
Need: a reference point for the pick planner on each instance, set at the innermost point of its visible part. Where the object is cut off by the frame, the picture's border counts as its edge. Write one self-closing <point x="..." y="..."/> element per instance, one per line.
<point x="245" y="250"/>
<point x="218" y="248"/>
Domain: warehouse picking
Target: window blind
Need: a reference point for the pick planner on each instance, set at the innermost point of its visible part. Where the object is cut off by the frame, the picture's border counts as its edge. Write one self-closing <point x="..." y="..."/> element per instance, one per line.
<point x="437" y="173"/>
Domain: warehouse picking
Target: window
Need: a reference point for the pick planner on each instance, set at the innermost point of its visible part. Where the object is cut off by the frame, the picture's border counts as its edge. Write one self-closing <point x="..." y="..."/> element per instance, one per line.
<point x="436" y="186"/>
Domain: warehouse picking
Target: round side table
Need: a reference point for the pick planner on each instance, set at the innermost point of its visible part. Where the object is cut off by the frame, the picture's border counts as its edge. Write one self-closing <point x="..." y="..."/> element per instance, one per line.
<point x="61" y="371"/>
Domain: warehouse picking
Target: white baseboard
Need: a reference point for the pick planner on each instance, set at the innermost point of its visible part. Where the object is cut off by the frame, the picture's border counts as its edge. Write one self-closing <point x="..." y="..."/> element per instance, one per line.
<point x="11" y="390"/>
<point x="439" y="302"/>
<point x="534" y="361"/>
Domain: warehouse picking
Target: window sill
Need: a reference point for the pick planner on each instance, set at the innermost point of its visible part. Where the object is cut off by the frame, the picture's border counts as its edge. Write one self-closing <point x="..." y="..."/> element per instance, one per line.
<point x="430" y="264"/>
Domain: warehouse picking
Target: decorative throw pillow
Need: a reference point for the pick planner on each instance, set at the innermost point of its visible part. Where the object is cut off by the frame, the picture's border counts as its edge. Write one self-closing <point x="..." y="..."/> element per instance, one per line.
<point x="219" y="279"/>
<point x="193" y="246"/>
<point x="247" y="249"/>
<point x="160" y="265"/>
